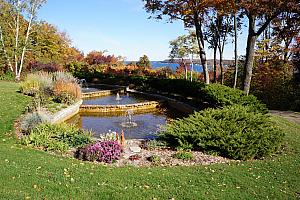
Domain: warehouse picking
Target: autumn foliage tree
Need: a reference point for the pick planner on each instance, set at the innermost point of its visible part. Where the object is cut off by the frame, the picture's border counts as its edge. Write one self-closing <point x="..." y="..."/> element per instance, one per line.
<point x="144" y="62"/>
<point x="20" y="15"/>
<point x="260" y="14"/>
<point x="49" y="45"/>
<point x="191" y="12"/>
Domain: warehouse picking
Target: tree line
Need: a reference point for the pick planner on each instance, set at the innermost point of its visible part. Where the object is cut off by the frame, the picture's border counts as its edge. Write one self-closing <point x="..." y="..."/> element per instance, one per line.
<point x="215" y="20"/>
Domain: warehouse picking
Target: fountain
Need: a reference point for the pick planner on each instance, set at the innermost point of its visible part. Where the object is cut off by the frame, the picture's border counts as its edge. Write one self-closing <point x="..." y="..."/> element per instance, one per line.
<point x="118" y="98"/>
<point x="83" y="83"/>
<point x="128" y="122"/>
<point x="125" y="114"/>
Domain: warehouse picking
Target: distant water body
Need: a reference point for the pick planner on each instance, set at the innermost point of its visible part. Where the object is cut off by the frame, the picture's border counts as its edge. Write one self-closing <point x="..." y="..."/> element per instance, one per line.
<point x="173" y="66"/>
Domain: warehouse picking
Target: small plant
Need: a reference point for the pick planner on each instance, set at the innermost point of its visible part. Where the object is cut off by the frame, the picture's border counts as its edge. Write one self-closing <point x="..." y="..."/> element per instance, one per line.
<point x="220" y="96"/>
<point x="155" y="159"/>
<point x="7" y="76"/>
<point x="105" y="151"/>
<point x="30" y="121"/>
<point x="110" y="136"/>
<point x="183" y="155"/>
<point x="154" y="144"/>
<point x="64" y="98"/>
<point x="59" y="137"/>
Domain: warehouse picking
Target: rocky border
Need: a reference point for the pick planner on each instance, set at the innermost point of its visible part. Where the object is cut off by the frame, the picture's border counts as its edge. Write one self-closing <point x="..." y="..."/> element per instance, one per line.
<point x="63" y="114"/>
<point x="150" y="105"/>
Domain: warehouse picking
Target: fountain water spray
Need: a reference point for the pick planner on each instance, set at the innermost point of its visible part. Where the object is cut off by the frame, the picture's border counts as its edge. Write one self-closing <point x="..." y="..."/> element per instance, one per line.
<point x="129" y="123"/>
<point x="118" y="98"/>
<point x="83" y="83"/>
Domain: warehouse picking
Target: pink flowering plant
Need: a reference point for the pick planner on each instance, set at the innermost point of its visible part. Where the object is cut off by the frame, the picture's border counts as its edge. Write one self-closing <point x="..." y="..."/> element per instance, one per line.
<point x="104" y="151"/>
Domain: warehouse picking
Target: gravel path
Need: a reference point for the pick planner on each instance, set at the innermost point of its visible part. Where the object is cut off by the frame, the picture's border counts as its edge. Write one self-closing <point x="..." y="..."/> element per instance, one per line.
<point x="289" y="115"/>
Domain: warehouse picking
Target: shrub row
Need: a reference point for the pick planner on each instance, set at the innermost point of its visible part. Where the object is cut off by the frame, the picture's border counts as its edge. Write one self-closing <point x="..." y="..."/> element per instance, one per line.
<point x="213" y="95"/>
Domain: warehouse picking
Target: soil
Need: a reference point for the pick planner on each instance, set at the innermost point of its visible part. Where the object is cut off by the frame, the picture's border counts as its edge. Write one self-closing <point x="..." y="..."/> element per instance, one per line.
<point x="141" y="159"/>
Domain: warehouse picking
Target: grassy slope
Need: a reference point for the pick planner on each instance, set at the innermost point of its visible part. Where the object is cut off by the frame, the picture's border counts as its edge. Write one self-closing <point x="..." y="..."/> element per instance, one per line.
<point x="27" y="173"/>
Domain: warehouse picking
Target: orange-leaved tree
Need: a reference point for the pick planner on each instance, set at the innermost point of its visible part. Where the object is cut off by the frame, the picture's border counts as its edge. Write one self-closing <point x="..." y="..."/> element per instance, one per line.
<point x="260" y="14"/>
<point x="191" y="12"/>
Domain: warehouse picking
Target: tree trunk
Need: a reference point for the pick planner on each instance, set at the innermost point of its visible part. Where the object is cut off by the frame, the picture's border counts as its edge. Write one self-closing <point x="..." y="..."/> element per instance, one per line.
<point x="200" y="40"/>
<point x="192" y="68"/>
<point x="186" y="72"/>
<point x="24" y="48"/>
<point x="4" y="51"/>
<point x="221" y="65"/>
<point x="252" y="36"/>
<point x="17" y="39"/>
<point x="235" y="53"/>
<point x="215" y="64"/>
<point x="249" y="55"/>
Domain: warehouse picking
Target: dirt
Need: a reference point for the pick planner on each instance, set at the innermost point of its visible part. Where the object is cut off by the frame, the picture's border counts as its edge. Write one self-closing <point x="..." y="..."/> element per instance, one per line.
<point x="166" y="157"/>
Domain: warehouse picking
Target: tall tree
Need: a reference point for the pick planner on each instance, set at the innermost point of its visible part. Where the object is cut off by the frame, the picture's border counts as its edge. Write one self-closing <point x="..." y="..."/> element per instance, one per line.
<point x="286" y="28"/>
<point x="23" y="15"/>
<point x="179" y="50"/>
<point x="144" y="62"/>
<point x="193" y="49"/>
<point x="224" y="27"/>
<point x="235" y="11"/>
<point x="211" y="36"/>
<point x="255" y="10"/>
<point x="183" y="48"/>
<point x="191" y="12"/>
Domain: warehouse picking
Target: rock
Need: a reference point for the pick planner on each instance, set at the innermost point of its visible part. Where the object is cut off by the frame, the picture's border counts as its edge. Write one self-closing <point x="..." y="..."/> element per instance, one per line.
<point x="135" y="149"/>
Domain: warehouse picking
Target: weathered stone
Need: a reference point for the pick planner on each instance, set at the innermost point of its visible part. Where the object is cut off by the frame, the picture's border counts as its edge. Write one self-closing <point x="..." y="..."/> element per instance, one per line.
<point x="135" y="149"/>
<point x="119" y="108"/>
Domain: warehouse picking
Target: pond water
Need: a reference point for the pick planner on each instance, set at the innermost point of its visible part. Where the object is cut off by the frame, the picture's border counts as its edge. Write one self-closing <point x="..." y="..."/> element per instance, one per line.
<point x="94" y="88"/>
<point x="135" y="124"/>
<point x="114" y="100"/>
<point x="87" y="90"/>
<point x="146" y="124"/>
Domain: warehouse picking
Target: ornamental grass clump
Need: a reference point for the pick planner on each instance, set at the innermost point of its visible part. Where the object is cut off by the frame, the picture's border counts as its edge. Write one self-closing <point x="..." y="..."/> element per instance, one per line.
<point x="66" y="92"/>
<point x="64" y="76"/>
<point x="40" y="82"/>
<point x="105" y="151"/>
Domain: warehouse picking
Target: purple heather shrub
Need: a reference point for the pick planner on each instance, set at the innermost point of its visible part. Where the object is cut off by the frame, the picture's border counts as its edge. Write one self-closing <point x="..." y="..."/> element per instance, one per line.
<point x="105" y="151"/>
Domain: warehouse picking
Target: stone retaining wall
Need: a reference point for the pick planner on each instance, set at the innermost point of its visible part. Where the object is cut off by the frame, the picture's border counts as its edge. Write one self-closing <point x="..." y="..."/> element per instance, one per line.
<point x="119" y="108"/>
<point x="173" y="103"/>
<point x="64" y="114"/>
<point x="101" y="93"/>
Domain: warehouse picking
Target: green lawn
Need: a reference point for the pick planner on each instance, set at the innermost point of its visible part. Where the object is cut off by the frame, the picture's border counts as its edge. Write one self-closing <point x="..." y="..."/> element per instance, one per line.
<point x="32" y="174"/>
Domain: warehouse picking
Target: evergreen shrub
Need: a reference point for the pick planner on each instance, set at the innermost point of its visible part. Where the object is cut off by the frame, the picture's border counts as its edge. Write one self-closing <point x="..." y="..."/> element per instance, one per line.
<point x="235" y="132"/>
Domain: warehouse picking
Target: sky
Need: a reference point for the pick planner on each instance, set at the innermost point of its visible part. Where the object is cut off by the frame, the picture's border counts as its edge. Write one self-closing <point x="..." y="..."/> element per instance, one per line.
<point x="121" y="27"/>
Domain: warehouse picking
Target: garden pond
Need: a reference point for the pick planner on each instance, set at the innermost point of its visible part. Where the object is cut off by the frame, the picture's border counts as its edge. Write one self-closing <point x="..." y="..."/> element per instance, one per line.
<point x="141" y="124"/>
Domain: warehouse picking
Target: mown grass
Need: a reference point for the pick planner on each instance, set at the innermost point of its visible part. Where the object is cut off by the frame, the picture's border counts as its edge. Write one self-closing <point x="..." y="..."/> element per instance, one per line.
<point x="33" y="174"/>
